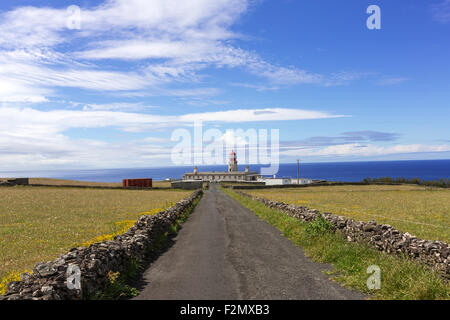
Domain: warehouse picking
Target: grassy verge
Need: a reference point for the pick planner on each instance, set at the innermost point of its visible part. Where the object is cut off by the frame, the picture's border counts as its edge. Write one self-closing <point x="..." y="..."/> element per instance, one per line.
<point x="118" y="286"/>
<point x="401" y="278"/>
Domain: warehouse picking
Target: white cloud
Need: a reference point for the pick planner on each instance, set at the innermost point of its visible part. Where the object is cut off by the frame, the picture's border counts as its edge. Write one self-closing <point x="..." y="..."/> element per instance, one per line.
<point x="149" y="49"/>
<point x="187" y="36"/>
<point x="24" y="98"/>
<point x="34" y="138"/>
<point x="41" y="77"/>
<point x="26" y="27"/>
<point x="171" y="16"/>
<point x="61" y="152"/>
<point x="156" y="44"/>
<point x="20" y="91"/>
<point x="257" y="87"/>
<point x="166" y="29"/>
<point x="37" y="138"/>
<point x="230" y="138"/>
<point x="193" y="92"/>
<point x="32" y="26"/>
<point x="60" y="120"/>
<point x="119" y="106"/>
<point x="252" y="115"/>
<point x="156" y="140"/>
<point x="363" y="150"/>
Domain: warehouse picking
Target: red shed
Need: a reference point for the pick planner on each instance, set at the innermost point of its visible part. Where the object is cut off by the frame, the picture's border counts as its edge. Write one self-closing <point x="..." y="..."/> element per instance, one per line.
<point x="137" y="183"/>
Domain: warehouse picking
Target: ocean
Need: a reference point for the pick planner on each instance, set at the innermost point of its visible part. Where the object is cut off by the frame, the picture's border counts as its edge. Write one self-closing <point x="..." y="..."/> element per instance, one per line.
<point x="331" y="171"/>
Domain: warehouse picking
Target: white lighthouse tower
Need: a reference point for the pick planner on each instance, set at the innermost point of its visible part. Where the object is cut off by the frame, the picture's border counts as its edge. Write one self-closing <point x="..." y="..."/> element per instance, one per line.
<point x="232" y="164"/>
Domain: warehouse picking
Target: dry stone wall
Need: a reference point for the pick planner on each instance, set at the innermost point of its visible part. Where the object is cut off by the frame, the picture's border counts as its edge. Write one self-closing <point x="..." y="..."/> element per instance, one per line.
<point x="384" y="237"/>
<point x="52" y="280"/>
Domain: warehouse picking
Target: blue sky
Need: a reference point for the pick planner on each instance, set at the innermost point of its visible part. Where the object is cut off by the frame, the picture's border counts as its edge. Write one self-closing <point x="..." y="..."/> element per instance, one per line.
<point x="111" y="93"/>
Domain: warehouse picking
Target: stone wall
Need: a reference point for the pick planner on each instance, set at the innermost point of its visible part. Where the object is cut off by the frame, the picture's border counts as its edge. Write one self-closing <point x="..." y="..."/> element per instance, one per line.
<point x="49" y="280"/>
<point x="15" y="182"/>
<point x="313" y="184"/>
<point x="187" y="185"/>
<point x="384" y="237"/>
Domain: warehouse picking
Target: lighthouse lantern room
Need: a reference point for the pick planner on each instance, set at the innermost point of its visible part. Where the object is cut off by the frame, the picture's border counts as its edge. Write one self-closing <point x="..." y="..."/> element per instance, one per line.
<point x="232" y="164"/>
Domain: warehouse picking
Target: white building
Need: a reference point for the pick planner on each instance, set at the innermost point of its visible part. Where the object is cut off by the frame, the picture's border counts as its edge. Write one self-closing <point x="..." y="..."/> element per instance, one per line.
<point x="281" y="181"/>
<point x="231" y="175"/>
<point x="301" y="181"/>
<point x="276" y="181"/>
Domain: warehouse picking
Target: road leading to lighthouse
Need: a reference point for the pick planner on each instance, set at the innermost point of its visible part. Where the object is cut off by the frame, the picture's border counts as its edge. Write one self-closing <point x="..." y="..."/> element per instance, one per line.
<point x="225" y="252"/>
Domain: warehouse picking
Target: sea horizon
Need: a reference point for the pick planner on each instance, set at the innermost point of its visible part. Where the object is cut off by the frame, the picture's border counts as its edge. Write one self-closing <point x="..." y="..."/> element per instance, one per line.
<point x="348" y="171"/>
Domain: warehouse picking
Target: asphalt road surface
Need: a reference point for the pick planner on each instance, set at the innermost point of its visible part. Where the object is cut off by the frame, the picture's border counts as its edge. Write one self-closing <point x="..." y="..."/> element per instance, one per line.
<point x="225" y="252"/>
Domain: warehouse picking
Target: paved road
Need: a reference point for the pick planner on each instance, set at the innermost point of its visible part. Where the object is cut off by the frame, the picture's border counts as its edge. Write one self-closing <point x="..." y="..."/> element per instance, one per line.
<point x="225" y="252"/>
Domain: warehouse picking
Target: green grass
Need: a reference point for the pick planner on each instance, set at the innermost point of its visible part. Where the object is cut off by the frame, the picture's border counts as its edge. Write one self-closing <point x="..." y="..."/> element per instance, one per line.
<point x="401" y="278"/>
<point x="117" y="287"/>
<point x="422" y="211"/>
<point x="38" y="223"/>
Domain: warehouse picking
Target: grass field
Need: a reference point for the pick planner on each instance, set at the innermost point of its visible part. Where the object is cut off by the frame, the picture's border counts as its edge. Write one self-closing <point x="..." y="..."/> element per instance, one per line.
<point x="38" y="223"/>
<point x="61" y="182"/>
<point x="422" y="211"/>
<point x="401" y="278"/>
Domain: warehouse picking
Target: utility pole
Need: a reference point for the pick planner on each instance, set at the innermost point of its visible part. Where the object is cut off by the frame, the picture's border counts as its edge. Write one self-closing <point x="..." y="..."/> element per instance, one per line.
<point x="298" y="171"/>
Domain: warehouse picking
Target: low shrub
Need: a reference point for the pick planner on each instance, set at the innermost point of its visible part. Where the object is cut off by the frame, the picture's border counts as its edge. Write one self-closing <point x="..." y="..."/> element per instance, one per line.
<point x="319" y="226"/>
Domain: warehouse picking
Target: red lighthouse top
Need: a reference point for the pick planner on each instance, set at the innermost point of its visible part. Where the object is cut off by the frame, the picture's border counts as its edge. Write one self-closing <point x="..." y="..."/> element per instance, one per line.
<point x="232" y="164"/>
<point x="233" y="158"/>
